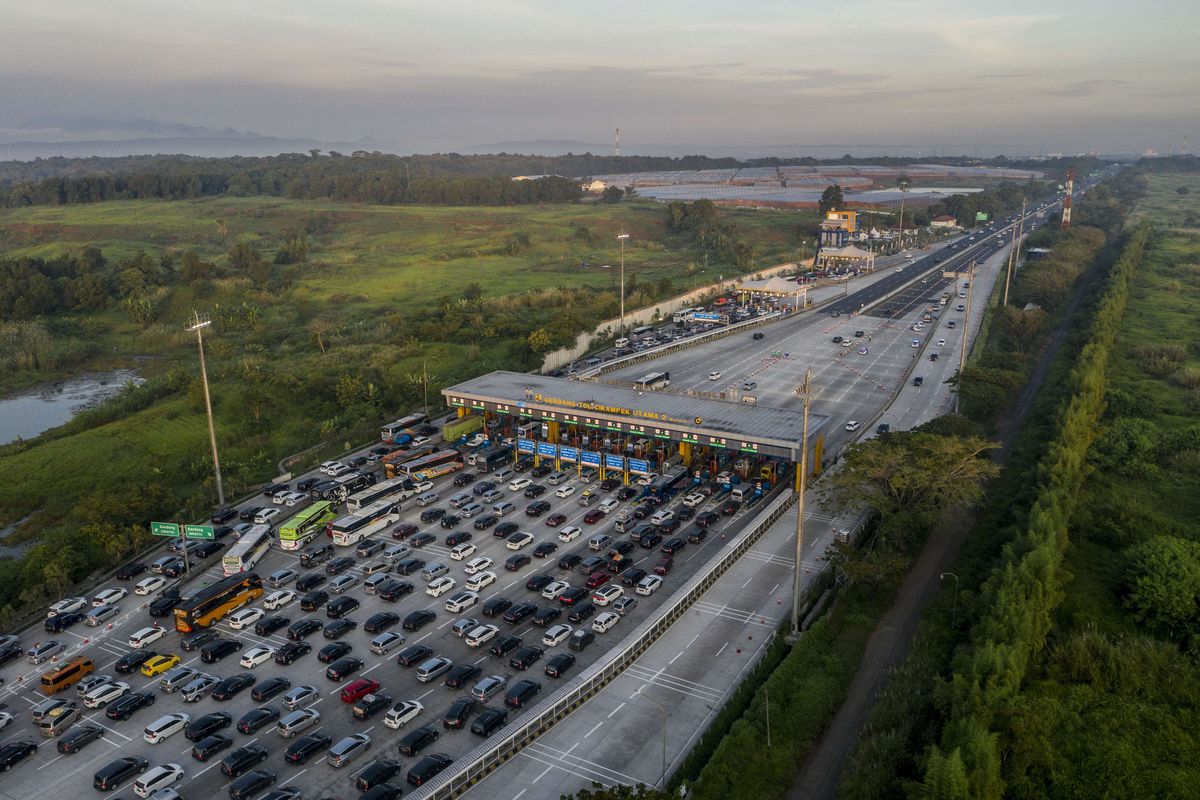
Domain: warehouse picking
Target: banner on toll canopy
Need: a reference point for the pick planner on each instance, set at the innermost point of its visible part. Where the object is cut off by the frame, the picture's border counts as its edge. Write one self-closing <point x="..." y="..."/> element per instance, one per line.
<point x="525" y="445"/>
<point x="569" y="454"/>
<point x="639" y="465"/>
<point x="590" y="457"/>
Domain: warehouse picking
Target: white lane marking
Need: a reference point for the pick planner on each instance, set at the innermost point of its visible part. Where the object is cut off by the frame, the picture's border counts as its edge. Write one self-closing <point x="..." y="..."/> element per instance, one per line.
<point x="594" y="729"/>
<point x="297" y="775"/>
<point x="539" y="777"/>
<point x="517" y="796"/>
<point x="612" y="713"/>
<point x="722" y="650"/>
<point x="773" y="588"/>
<point x="676" y="658"/>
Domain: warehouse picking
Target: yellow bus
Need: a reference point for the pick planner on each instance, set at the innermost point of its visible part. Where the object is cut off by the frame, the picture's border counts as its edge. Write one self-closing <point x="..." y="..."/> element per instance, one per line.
<point x="214" y="601"/>
<point x="66" y="676"/>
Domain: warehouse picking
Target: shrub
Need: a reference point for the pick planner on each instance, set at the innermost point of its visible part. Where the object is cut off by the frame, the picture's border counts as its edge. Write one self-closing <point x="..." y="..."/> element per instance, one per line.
<point x="1163" y="585"/>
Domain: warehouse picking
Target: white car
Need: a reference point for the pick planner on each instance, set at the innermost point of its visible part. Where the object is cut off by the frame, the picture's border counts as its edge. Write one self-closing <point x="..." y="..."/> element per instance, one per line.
<point x="604" y="621"/>
<point x="146" y="637"/>
<point x="103" y="695"/>
<point x="853" y="425"/>
<point x="695" y="499"/>
<point x="463" y="550"/>
<point x="157" y="778"/>
<point x="556" y="635"/>
<point x="847" y="343"/>
<point x="267" y="516"/>
<point x="5" y="719"/>
<point x="257" y="655"/>
<point x="65" y="605"/>
<point x="648" y="479"/>
<point x="245" y="618"/>
<point x="339" y="470"/>
<point x="565" y="491"/>
<point x="715" y="375"/>
<point x="165" y="726"/>
<point x="150" y="585"/>
<point x="518" y="484"/>
<point x="916" y="342"/>
<point x="941" y="342"/>
<point x="440" y="586"/>
<point x="569" y="533"/>
<point x="461" y="601"/>
<point x="109" y="597"/>
<point x="420" y="441"/>
<point x="402" y="713"/>
<point x="553" y="590"/>
<point x="479" y="580"/>
<point x="608" y="505"/>
<point x="518" y="540"/>
<point x="279" y="599"/>
<point x="477" y="439"/>
<point x="329" y="467"/>
<point x="477" y="565"/>
<point x="291" y="498"/>
<point x="648" y="584"/>
<point x="481" y="635"/>
<point x="606" y="594"/>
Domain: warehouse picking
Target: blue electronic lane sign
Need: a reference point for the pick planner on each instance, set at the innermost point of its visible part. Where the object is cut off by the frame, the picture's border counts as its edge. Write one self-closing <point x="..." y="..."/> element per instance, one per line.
<point x="639" y="465"/>
<point x="590" y="457"/>
<point x="547" y="449"/>
<point x="568" y="454"/>
<point x="614" y="462"/>
<point x="525" y="445"/>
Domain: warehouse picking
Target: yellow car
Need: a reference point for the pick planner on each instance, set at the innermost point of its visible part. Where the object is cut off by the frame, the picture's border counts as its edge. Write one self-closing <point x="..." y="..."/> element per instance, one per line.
<point x="158" y="665"/>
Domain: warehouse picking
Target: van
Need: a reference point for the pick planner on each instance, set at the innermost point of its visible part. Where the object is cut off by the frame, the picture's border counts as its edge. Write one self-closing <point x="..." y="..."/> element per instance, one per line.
<point x="662" y="517"/>
<point x="164" y="726"/>
<point x="42" y="651"/>
<point x="57" y="680"/>
<point x="556" y="478"/>
<point x="738" y="494"/>
<point x="621" y="343"/>
<point x="590" y="565"/>
<point x="503" y="475"/>
<point x="500" y="509"/>
<point x="427" y="499"/>
<point x="461" y="551"/>
<point x="471" y="509"/>
<point x="580" y="639"/>
<point x="396" y="552"/>
<point x="434" y="570"/>
<point x="316" y="554"/>
<point x="588" y="497"/>
<point x="624" y="521"/>
<point x="493" y="496"/>
<point x="599" y="541"/>
<point x="432" y="668"/>
<point x="58" y="720"/>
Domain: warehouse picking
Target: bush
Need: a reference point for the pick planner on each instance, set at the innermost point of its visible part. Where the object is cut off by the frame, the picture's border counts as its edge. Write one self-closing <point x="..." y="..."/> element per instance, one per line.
<point x="1163" y="585"/>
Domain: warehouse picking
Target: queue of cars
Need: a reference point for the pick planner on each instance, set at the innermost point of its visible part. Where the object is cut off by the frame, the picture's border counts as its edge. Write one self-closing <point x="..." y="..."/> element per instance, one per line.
<point x="259" y="673"/>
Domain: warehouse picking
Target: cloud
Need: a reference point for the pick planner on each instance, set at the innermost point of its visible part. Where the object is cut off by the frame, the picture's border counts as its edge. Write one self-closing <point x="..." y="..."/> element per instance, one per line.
<point x="1086" y="88"/>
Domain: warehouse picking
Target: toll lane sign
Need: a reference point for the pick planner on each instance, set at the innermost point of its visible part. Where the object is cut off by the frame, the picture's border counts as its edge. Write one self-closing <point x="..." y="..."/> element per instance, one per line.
<point x="164" y="529"/>
<point x="199" y="532"/>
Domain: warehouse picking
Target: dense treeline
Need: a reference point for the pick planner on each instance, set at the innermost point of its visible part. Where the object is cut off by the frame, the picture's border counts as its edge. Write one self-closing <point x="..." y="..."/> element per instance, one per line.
<point x="450" y="179"/>
<point x="995" y="202"/>
<point x="1018" y="601"/>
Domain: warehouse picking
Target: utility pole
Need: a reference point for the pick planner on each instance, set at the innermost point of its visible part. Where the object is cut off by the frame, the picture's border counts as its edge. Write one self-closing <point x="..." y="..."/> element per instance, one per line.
<point x="1016" y="254"/>
<point x="767" y="698"/>
<point x="962" y="355"/>
<point x="805" y="393"/>
<point x="198" y="325"/>
<point x="1012" y="249"/>
<point x="663" y="710"/>
<point x="954" y="608"/>
<point x="902" y="182"/>
<point x="622" y="237"/>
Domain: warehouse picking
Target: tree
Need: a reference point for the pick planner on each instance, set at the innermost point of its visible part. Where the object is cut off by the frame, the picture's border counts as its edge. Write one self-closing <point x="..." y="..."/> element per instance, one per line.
<point x="1163" y="584"/>
<point x="612" y="194"/>
<point x="539" y="341"/>
<point x="320" y="329"/>
<point x="620" y="792"/>
<point x="831" y="199"/>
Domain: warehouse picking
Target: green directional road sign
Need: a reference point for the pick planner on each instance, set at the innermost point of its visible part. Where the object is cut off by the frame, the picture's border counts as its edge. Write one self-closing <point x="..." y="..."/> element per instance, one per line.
<point x="164" y="529"/>
<point x="198" y="532"/>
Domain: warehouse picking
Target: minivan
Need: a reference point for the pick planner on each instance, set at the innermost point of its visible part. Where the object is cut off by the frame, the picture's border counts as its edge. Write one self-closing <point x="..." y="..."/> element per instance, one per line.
<point x="603" y="540"/>
<point x="503" y="475"/>
<point x="660" y="517"/>
<point x="434" y="570"/>
<point x="580" y="639"/>
<point x="500" y="509"/>
<point x="432" y="668"/>
<point x="316" y="554"/>
<point x="471" y="509"/>
<point x="556" y="478"/>
<point x="427" y="499"/>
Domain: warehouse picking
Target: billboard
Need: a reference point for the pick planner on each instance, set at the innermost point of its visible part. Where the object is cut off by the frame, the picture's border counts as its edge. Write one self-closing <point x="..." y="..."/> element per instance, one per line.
<point x="525" y="445"/>
<point x="570" y="454"/>
<point x="614" y="462"/>
<point x="590" y="457"/>
<point x="546" y="449"/>
<point x="639" y="465"/>
<point x="981" y="216"/>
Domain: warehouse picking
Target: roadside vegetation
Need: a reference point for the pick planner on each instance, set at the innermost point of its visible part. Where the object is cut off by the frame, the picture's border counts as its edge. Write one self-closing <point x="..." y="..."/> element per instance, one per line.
<point x="327" y="318"/>
<point x="1072" y="670"/>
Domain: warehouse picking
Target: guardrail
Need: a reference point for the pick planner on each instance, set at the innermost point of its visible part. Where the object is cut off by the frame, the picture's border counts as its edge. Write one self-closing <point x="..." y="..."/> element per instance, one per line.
<point x="666" y="349"/>
<point x="501" y="747"/>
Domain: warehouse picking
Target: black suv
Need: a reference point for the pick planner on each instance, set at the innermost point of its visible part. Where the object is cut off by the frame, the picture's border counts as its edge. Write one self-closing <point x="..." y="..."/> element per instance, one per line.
<point x="418" y="619"/>
<point x="251" y="784"/>
<point x="416" y="741"/>
<point x="496" y="606"/>
<point x="126" y="706"/>
<point x="525" y="658"/>
<point x="112" y="775"/>
<point x="341" y="607"/>
<point x="504" y="645"/>
<point x="206" y="725"/>
<point x="413" y="654"/>
<point x="255" y="718"/>
<point x="489" y="721"/>
<point x="243" y="759"/>
<point x="207" y="747"/>
<point x="304" y="748"/>
<point x="519" y="613"/>
<point x="301" y="628"/>
<point x="213" y="652"/>
<point x="377" y="772"/>
<point x="79" y="737"/>
<point x="521" y="693"/>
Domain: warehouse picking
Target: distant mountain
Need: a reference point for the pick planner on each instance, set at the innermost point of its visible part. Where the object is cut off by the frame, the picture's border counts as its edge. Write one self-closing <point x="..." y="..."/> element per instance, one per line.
<point x="75" y="137"/>
<point x="539" y="147"/>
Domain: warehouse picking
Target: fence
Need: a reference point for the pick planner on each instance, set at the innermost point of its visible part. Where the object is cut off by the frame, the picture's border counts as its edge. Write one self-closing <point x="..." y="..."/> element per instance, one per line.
<point x="494" y="753"/>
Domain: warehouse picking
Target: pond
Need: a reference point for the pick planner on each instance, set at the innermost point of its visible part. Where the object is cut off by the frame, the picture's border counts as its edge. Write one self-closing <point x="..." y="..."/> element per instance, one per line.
<point x="28" y="414"/>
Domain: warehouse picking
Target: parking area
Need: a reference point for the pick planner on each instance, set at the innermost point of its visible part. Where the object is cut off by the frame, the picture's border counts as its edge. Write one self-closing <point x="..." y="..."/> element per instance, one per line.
<point x="51" y="774"/>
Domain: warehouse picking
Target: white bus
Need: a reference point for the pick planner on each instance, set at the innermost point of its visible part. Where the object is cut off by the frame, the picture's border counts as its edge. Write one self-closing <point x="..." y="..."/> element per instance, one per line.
<point x="642" y="331"/>
<point x="353" y="528"/>
<point x="655" y="380"/>
<point x="401" y="486"/>
<point x="248" y="550"/>
<point x="390" y="431"/>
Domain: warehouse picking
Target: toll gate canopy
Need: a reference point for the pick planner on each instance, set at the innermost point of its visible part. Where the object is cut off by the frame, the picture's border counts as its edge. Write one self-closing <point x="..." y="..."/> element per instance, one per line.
<point x="700" y="421"/>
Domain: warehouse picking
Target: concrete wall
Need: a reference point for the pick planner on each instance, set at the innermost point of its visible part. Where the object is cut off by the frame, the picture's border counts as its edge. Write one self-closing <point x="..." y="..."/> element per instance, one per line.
<point x="645" y="316"/>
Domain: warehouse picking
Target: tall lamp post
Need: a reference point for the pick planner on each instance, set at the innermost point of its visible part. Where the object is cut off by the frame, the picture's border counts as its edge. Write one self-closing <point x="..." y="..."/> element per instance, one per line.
<point x="621" y="237"/>
<point x="805" y="392"/>
<point x="663" y="710"/>
<point x="954" y="608"/>
<point x="198" y="325"/>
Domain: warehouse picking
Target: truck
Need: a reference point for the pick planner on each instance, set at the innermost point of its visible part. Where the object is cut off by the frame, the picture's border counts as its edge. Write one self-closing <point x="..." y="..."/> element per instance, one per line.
<point x="461" y="428"/>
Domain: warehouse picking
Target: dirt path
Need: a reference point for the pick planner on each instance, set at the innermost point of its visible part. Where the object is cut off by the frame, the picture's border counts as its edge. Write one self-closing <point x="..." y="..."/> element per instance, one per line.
<point x="889" y="642"/>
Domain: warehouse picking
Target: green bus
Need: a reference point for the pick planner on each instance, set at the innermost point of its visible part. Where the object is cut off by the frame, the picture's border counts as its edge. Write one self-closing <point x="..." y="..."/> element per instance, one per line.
<point x="303" y="527"/>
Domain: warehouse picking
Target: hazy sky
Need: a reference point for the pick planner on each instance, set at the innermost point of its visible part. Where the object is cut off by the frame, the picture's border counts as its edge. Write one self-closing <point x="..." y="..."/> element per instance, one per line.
<point x="1066" y="75"/>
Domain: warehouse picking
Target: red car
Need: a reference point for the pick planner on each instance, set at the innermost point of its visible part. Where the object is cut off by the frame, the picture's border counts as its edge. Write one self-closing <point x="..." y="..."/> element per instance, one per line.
<point x="664" y="565"/>
<point x="554" y="520"/>
<point x="593" y="516"/>
<point x="358" y="689"/>
<point x="598" y="579"/>
<point x="403" y="530"/>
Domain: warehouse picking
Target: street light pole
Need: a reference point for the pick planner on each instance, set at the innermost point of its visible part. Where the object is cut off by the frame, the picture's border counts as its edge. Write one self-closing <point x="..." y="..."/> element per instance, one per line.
<point x="663" y="710"/>
<point x="1012" y="252"/>
<point x="954" y="607"/>
<point x="621" y="237"/>
<point x="801" y="484"/>
<point x="198" y="325"/>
